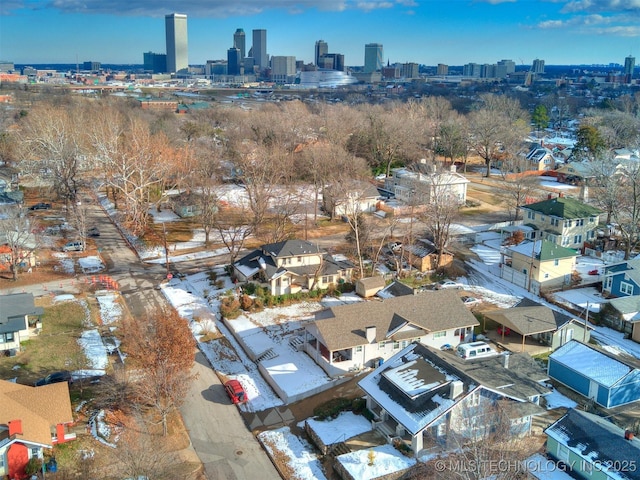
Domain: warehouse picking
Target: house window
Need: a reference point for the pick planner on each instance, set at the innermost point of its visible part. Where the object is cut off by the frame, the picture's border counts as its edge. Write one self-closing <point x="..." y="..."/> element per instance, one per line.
<point x="592" y="219"/>
<point x="577" y="239"/>
<point x="358" y="349"/>
<point x="580" y="222"/>
<point x="607" y="283"/>
<point x="439" y="334"/>
<point x="531" y="215"/>
<point x="396" y="345"/>
<point x="563" y="453"/>
<point x="567" y="223"/>
<point x="542" y="217"/>
<point x="34" y="452"/>
<point x="382" y="344"/>
<point x="546" y="275"/>
<point x="556" y="262"/>
<point x="555" y="222"/>
<point x="299" y="259"/>
<point x="404" y="343"/>
<point x="327" y="279"/>
<point x="565" y="241"/>
<point x="626" y="288"/>
<point x="9" y="337"/>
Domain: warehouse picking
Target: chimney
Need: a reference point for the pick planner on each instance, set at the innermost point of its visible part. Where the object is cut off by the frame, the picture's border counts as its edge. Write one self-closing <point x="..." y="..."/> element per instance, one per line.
<point x="453" y="169"/>
<point x="505" y="360"/>
<point x="455" y="389"/>
<point x="628" y="435"/>
<point x="423" y="161"/>
<point x="561" y="195"/>
<point x="549" y="196"/>
<point x="15" y="427"/>
<point x="434" y="169"/>
<point x="371" y="334"/>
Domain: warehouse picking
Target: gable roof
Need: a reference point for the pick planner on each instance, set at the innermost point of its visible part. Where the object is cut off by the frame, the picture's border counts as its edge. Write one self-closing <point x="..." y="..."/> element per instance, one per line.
<point x="563" y="207"/>
<point x="345" y="326"/>
<point x="38" y="408"/>
<point x="365" y="189"/>
<point x="17" y="305"/>
<point x="596" y="439"/>
<point x="529" y="318"/>
<point x="543" y="250"/>
<point x="290" y="248"/>
<point x="595" y="364"/>
<point x="629" y="268"/>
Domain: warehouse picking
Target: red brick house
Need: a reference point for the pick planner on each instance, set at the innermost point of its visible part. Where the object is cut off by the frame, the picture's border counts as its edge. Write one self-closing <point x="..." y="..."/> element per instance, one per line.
<point x="31" y="419"/>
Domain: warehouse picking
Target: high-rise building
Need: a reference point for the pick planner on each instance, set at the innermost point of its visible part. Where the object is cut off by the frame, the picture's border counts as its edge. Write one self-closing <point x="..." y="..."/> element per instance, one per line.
<point x="538" y="66"/>
<point x="283" y="69"/>
<point x="510" y="66"/>
<point x="331" y="61"/>
<point x="239" y="42"/>
<point x="373" y="57"/>
<point x="91" y="66"/>
<point x="629" y="65"/>
<point x="442" y="69"/>
<point x="177" y="49"/>
<point x="471" y="70"/>
<point x="155" y="62"/>
<point x="259" y="48"/>
<point x="322" y="48"/>
<point x="410" y="70"/>
<point x="234" y="61"/>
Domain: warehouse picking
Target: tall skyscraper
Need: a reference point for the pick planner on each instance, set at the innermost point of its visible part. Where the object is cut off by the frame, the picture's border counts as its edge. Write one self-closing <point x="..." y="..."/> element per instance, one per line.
<point x="283" y="69"/>
<point x="629" y="65"/>
<point x="234" y="61"/>
<point x="177" y="49"/>
<point x="372" y="57"/>
<point x="239" y="42"/>
<point x="259" y="48"/>
<point x="322" y="48"/>
<point x="538" y="66"/>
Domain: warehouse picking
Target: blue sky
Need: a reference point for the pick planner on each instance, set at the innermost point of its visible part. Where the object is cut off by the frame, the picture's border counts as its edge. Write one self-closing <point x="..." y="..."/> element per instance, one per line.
<point x="429" y="32"/>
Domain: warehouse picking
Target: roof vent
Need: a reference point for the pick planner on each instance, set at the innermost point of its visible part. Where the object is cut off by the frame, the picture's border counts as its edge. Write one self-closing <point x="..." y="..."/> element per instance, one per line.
<point x="628" y="435"/>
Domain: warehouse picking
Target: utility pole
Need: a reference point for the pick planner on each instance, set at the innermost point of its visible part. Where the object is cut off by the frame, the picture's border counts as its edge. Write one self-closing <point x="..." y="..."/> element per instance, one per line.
<point x="166" y="250"/>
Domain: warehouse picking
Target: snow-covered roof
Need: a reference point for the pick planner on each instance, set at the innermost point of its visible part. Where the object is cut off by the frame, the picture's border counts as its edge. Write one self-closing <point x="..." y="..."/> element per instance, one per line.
<point x="420" y="379"/>
<point x="591" y="363"/>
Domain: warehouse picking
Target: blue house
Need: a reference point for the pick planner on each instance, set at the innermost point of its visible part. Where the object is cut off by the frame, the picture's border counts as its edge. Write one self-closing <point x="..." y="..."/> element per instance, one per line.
<point x="609" y="380"/>
<point x="593" y="447"/>
<point x="621" y="282"/>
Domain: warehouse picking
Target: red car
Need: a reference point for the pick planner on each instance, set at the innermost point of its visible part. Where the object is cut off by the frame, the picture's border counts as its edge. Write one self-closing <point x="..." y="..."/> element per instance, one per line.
<point x="235" y="391"/>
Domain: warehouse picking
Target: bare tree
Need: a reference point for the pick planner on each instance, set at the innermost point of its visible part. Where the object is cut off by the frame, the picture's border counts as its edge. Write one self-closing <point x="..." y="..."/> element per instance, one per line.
<point x="16" y="233"/>
<point x="627" y="211"/>
<point x="53" y="147"/>
<point x="498" y="128"/>
<point x="234" y="225"/>
<point x="164" y="348"/>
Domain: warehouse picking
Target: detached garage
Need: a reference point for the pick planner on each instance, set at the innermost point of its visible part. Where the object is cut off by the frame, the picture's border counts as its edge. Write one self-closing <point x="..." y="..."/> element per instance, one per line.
<point x="609" y="380"/>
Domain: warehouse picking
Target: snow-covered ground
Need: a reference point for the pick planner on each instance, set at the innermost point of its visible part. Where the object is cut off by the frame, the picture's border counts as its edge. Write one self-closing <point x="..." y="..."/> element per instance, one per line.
<point x="296" y="452"/>
<point x="386" y="460"/>
<point x="557" y="400"/>
<point x="343" y="427"/>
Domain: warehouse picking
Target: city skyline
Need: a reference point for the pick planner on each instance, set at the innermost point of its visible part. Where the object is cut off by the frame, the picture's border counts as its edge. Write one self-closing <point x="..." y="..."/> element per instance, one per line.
<point x="453" y="32"/>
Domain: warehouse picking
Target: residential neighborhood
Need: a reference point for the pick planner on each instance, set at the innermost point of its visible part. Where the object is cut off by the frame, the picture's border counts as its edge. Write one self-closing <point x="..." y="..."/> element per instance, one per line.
<point x="262" y="291"/>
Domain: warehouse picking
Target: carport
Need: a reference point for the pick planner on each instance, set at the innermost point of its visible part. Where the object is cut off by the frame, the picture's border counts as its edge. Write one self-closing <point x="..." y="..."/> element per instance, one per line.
<point x="535" y="324"/>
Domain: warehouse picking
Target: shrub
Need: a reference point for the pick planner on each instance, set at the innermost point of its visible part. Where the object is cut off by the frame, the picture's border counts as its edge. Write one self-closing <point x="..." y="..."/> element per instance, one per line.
<point x="258" y="304"/>
<point x="33" y="466"/>
<point x="249" y="288"/>
<point x="246" y="302"/>
<point x="332" y="408"/>
<point x="219" y="284"/>
<point x="213" y="276"/>
<point x="230" y="307"/>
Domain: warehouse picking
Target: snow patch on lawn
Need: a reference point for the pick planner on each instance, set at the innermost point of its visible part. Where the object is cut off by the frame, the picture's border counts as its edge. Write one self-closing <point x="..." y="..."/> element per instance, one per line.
<point x="339" y="429"/>
<point x="387" y="460"/>
<point x="285" y="447"/>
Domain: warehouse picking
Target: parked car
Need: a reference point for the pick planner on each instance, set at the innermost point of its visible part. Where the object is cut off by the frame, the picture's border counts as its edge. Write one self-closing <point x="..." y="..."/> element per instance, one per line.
<point x="471" y="301"/>
<point x="55" y="377"/>
<point x="469" y="351"/>
<point x="73" y="247"/>
<point x="40" y="206"/>
<point x="235" y="391"/>
<point x="93" y="232"/>
<point x="444" y="284"/>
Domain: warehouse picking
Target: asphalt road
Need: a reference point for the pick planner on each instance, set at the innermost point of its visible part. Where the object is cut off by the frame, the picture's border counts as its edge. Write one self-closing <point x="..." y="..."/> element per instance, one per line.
<point x="218" y="434"/>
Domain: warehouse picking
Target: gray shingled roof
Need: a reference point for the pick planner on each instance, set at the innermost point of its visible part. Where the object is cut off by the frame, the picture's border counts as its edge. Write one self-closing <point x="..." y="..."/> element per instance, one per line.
<point x="345" y="326"/>
<point x="599" y="440"/>
<point x="528" y="320"/>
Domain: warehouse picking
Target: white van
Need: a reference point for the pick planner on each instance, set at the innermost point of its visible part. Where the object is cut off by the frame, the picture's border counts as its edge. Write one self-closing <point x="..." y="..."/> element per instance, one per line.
<point x="469" y="351"/>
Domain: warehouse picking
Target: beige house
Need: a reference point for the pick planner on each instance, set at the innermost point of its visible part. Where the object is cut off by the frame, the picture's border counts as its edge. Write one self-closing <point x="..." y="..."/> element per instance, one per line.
<point x="540" y="158"/>
<point x="421" y="188"/>
<point x="424" y="257"/>
<point x="292" y="266"/>
<point x="539" y="264"/>
<point x="355" y="197"/>
<point x="562" y="220"/>
<point x="351" y="337"/>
